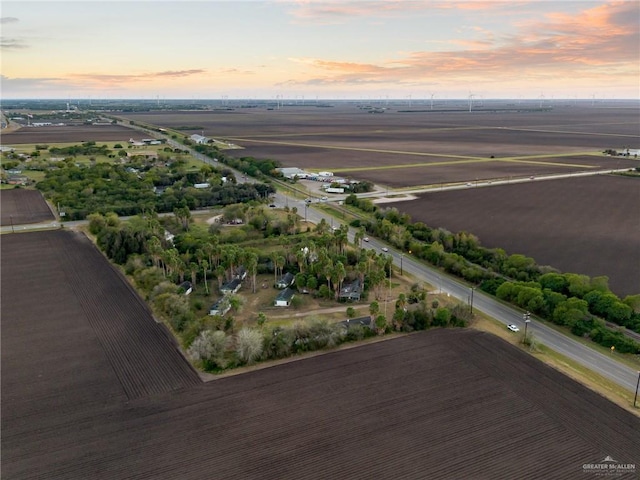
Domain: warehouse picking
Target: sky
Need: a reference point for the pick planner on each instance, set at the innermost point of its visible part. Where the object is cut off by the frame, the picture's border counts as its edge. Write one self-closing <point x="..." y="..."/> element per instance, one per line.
<point x="311" y="49"/>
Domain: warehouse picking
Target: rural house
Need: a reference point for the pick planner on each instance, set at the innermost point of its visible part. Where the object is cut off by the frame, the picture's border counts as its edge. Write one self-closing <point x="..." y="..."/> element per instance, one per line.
<point x="195" y="138"/>
<point x="231" y="287"/>
<point x="186" y="287"/>
<point x="285" y="281"/>
<point x="362" y="321"/>
<point x="284" y="298"/>
<point x="241" y="273"/>
<point x="221" y="307"/>
<point x="351" y="291"/>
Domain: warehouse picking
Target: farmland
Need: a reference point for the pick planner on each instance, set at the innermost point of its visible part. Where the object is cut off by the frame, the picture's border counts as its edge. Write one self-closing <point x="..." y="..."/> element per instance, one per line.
<point x="114" y="399"/>
<point x="562" y="223"/>
<point x="401" y="149"/>
<point x="67" y="134"/>
<point x="19" y="206"/>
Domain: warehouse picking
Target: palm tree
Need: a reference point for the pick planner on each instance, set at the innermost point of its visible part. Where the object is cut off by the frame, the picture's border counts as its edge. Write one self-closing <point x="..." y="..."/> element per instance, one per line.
<point x="280" y="263"/>
<point x="274" y="260"/>
<point x="251" y="264"/>
<point x="374" y="309"/>
<point x="205" y="267"/>
<point x="154" y="246"/>
<point x="220" y="275"/>
<point x="339" y="274"/>
<point x="193" y="268"/>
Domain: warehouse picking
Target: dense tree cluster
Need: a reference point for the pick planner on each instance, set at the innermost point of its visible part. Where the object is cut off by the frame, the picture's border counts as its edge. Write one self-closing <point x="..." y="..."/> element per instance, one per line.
<point x="87" y="148"/>
<point x="254" y="167"/>
<point x="140" y="187"/>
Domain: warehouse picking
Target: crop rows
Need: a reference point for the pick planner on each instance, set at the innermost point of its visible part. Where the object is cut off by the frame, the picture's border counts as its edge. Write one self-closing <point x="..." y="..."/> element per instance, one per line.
<point x="85" y="394"/>
<point x="20" y="206"/>
<point x="144" y="358"/>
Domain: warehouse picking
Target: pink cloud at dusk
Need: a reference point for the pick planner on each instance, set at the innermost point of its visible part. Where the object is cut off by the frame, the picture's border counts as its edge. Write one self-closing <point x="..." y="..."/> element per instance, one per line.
<point x="114" y="79"/>
<point x="561" y="45"/>
<point x="336" y="10"/>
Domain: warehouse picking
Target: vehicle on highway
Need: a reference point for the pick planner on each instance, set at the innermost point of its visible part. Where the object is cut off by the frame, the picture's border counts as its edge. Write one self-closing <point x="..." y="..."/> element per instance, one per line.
<point x="273" y="205"/>
<point x="307" y="200"/>
<point x="324" y="199"/>
<point x="385" y="249"/>
<point x="513" y="328"/>
<point x="366" y="239"/>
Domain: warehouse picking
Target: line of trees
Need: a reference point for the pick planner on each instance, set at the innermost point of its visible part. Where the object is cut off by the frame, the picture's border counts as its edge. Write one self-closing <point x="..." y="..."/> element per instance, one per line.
<point x="581" y="303"/>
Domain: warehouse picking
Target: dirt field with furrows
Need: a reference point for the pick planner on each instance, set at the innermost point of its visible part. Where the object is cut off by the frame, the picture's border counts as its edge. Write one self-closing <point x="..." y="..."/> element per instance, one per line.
<point x="586" y="225"/>
<point x="347" y="119"/>
<point x="67" y="133"/>
<point x="347" y="137"/>
<point x="440" y="404"/>
<point x="20" y="206"/>
<point x="57" y="284"/>
<point x="454" y="172"/>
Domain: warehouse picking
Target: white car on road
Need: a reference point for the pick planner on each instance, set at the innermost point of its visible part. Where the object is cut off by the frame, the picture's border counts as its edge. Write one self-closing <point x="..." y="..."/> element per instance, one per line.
<point x="513" y="328"/>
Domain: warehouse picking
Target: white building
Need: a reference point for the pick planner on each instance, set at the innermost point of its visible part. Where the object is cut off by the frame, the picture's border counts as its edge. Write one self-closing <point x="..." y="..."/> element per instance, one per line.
<point x="291" y="172"/>
<point x="195" y="138"/>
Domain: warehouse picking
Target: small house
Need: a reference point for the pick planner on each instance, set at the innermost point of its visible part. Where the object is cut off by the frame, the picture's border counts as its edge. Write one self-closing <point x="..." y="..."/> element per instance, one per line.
<point x="241" y="273"/>
<point x="186" y="288"/>
<point x="221" y="307"/>
<point x="231" y="287"/>
<point x="361" y="321"/>
<point x="284" y="298"/>
<point x="17" y="180"/>
<point x="199" y="139"/>
<point x="351" y="291"/>
<point x="285" y="281"/>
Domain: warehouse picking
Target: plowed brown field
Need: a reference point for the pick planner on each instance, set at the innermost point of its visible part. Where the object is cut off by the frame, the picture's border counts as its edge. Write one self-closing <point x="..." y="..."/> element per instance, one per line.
<point x="67" y="133"/>
<point x="19" y="206"/>
<point x="93" y="389"/>
<point x="587" y="225"/>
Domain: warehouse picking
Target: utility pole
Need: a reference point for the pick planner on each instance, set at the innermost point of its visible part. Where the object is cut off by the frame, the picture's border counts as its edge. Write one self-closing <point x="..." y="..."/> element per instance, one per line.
<point x="636" y="396"/>
<point x="471" y="300"/>
<point x="527" y="319"/>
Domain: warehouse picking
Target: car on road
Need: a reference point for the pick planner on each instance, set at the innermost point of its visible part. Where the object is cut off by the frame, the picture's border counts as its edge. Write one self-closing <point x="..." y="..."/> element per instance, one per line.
<point x="513" y="328"/>
<point x="366" y="239"/>
<point x="273" y="205"/>
<point x="307" y="200"/>
<point x="324" y="199"/>
<point x="385" y="249"/>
